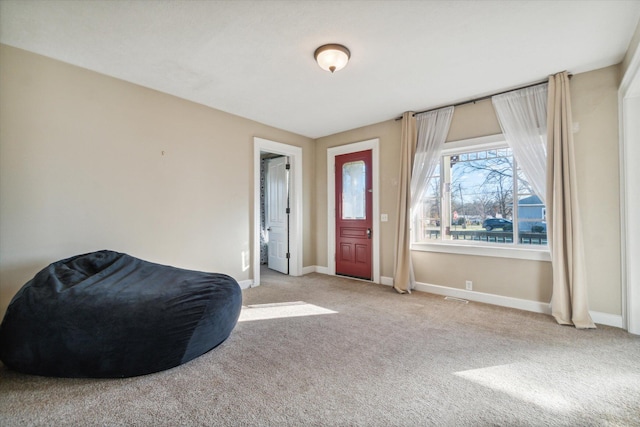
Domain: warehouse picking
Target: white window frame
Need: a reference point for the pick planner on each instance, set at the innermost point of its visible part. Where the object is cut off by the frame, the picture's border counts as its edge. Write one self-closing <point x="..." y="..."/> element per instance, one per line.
<point x="467" y="247"/>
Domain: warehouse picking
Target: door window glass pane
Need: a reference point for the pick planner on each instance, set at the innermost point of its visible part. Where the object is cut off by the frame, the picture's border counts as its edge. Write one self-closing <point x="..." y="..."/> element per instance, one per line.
<point x="353" y="190"/>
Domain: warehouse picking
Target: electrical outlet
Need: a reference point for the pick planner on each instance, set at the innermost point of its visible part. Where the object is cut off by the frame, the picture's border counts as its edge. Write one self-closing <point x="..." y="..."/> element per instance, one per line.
<point x="469" y="285"/>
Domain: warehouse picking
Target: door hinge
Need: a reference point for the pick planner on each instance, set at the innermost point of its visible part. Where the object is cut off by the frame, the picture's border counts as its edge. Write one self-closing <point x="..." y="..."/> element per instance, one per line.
<point x="287" y="166"/>
<point x="288" y="211"/>
<point x="288" y="255"/>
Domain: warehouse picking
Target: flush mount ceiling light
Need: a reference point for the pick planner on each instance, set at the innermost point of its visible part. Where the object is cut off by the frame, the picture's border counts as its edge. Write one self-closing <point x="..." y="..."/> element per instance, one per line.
<point x="332" y="57"/>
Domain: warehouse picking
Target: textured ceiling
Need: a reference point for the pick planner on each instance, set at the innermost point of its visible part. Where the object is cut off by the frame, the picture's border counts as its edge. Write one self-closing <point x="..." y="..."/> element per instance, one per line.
<point x="255" y="58"/>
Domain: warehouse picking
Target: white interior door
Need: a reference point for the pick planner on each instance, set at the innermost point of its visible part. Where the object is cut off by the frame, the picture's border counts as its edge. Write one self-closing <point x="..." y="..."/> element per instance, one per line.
<point x="276" y="214"/>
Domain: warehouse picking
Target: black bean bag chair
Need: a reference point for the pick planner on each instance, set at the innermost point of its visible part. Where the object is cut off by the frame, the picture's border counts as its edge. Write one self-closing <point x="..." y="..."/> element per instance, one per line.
<point x="106" y="314"/>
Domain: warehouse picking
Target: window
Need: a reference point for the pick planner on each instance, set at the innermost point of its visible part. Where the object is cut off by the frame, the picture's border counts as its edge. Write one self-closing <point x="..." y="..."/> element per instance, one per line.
<point x="353" y="190"/>
<point x="478" y="196"/>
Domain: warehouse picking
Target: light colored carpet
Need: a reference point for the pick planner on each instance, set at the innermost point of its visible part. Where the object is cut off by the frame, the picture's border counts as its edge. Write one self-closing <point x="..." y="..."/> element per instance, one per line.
<point x="348" y="353"/>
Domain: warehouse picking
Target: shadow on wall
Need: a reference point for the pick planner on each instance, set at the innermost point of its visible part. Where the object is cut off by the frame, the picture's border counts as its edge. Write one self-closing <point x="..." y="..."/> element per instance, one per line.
<point x="12" y="278"/>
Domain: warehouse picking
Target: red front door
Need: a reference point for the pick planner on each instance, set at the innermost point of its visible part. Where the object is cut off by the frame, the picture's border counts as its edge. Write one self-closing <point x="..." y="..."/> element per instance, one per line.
<point x="354" y="214"/>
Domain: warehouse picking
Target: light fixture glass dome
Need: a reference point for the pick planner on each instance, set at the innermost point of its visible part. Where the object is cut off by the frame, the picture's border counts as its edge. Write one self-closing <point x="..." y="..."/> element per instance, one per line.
<point x="332" y="57"/>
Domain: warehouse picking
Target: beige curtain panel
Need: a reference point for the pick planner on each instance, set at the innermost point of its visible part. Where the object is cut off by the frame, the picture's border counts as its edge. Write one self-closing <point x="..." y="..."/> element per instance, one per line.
<point x="569" y="305"/>
<point x="402" y="264"/>
<point x="423" y="136"/>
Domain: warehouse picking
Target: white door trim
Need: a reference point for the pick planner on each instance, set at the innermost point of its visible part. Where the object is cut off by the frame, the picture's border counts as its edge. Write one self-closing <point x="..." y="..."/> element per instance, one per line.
<point x="295" y="225"/>
<point x="373" y="145"/>
<point x="629" y="151"/>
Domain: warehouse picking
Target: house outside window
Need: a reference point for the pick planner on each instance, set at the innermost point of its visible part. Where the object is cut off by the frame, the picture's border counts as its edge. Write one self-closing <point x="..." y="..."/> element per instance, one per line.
<point x="478" y="196"/>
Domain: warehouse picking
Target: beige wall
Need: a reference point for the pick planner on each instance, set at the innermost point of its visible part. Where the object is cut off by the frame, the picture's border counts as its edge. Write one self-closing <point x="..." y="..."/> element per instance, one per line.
<point x="389" y="135"/>
<point x="516" y="278"/>
<point x="473" y="120"/>
<point x="594" y="99"/>
<point x="595" y="110"/>
<point x="530" y="280"/>
<point x="82" y="168"/>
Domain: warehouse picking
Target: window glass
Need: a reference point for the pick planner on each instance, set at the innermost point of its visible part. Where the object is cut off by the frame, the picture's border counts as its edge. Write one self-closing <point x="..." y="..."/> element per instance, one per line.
<point x="428" y="217"/>
<point x="471" y="198"/>
<point x="353" y="190"/>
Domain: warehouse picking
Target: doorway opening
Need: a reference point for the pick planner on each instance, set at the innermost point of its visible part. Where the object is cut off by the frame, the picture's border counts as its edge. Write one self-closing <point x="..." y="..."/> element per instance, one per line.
<point x="274" y="211"/>
<point x="372" y="230"/>
<point x="285" y="235"/>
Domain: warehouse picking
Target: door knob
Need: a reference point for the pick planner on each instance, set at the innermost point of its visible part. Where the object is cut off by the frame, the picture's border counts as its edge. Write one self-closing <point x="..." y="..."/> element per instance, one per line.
<point x="368" y="233"/>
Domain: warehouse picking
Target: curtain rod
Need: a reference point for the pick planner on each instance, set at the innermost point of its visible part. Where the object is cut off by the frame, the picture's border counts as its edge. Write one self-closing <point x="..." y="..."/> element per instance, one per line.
<point x="482" y="98"/>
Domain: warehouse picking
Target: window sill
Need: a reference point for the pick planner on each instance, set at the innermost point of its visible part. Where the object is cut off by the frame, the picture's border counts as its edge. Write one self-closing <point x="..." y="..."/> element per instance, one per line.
<point x="496" y="251"/>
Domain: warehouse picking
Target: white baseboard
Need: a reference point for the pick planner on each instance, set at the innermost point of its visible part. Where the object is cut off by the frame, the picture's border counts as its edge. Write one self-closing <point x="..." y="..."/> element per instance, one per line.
<point x="245" y="284"/>
<point x="521" y="304"/>
<point x="309" y="269"/>
<point x="315" y="269"/>
<point x="614" y="320"/>
<point x="322" y="270"/>
<point x="387" y="281"/>
<point x="607" y="319"/>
